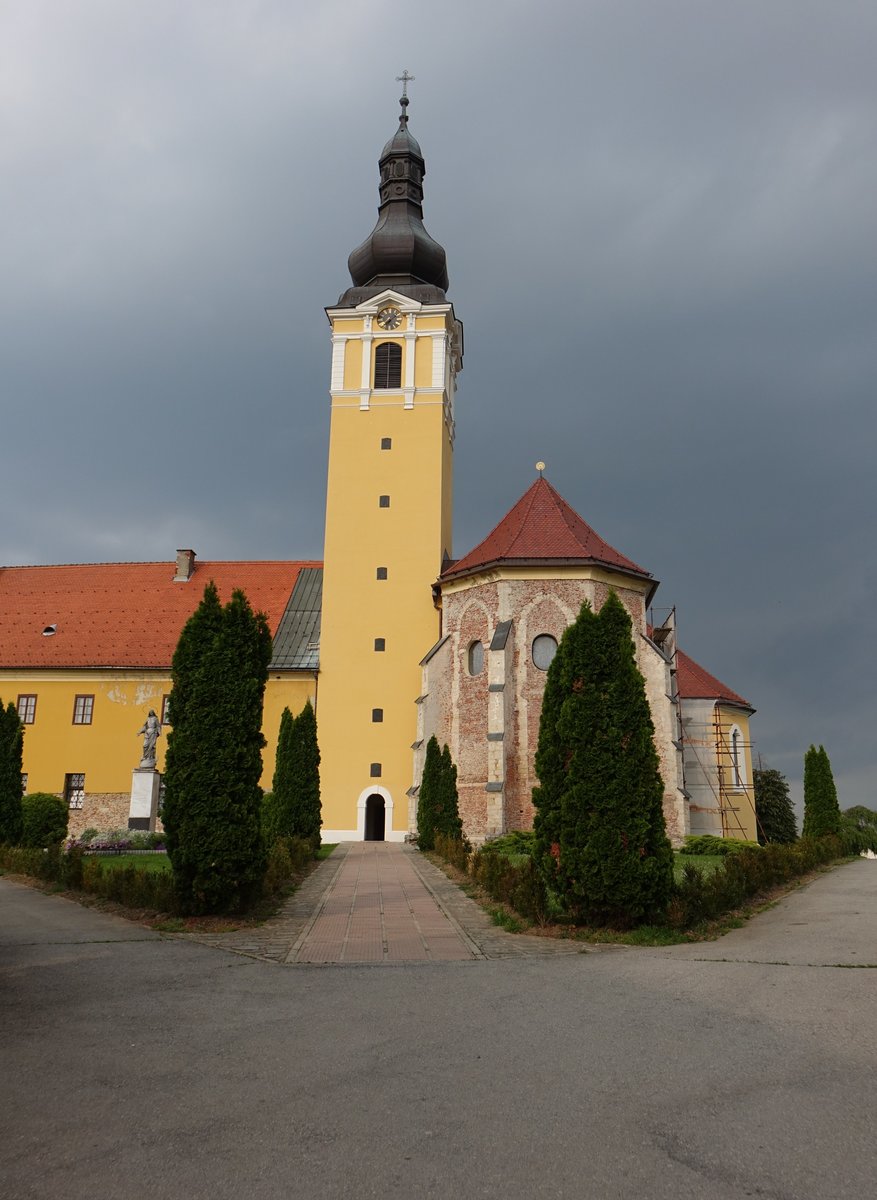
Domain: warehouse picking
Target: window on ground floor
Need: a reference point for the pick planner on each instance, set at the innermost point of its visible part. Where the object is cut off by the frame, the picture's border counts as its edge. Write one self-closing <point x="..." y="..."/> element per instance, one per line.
<point x="74" y="789"/>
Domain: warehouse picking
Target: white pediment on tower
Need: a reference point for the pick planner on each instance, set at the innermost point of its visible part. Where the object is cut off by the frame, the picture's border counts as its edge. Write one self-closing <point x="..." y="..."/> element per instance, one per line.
<point x="388" y="296"/>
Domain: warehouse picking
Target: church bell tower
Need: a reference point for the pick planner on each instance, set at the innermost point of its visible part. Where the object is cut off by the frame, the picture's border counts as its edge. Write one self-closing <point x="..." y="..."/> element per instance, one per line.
<point x="396" y="351"/>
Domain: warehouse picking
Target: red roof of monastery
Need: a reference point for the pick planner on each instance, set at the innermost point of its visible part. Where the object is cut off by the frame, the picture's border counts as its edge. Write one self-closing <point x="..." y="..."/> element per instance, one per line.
<point x="541" y="527"/>
<point x="695" y="683"/>
<point x="121" y="614"/>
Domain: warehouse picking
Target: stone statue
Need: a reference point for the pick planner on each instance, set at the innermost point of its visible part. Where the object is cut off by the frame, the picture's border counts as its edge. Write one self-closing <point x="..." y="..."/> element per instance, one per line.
<point x="151" y="729"/>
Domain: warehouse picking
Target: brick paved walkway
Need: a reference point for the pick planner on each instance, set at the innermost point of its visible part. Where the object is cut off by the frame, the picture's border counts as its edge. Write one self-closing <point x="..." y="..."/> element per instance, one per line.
<point x="381" y="902"/>
<point x="378" y="910"/>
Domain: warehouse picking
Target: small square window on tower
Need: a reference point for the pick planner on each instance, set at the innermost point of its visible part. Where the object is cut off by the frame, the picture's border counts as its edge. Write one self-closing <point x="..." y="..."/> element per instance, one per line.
<point x="384" y="501"/>
<point x="380" y="643"/>
<point x="381" y="573"/>
<point x="386" y="443"/>
<point x="375" y="771"/>
<point x="377" y="715"/>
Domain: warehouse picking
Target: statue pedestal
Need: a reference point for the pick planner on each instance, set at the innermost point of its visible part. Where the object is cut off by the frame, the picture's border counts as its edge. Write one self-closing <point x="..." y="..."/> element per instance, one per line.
<point x="145" y="787"/>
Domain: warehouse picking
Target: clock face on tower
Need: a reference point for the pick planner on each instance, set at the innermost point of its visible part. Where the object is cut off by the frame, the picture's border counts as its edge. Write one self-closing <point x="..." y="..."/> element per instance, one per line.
<point x="389" y="318"/>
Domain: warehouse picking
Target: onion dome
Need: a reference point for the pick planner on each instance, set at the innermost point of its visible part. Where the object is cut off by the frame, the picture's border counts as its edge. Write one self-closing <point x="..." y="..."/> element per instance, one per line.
<point x="399" y="253"/>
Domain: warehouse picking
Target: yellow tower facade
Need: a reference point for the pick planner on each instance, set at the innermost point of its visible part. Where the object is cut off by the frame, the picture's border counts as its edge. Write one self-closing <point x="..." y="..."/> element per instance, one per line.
<point x="396" y="353"/>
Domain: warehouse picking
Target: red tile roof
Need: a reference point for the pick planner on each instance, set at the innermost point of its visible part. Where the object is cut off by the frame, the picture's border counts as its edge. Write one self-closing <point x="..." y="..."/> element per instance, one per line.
<point x="695" y="683"/>
<point x="121" y="614"/>
<point x="542" y="527"/>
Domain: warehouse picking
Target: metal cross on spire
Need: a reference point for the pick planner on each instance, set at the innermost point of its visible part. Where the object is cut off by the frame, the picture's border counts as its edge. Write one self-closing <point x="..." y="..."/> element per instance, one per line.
<point x="405" y="79"/>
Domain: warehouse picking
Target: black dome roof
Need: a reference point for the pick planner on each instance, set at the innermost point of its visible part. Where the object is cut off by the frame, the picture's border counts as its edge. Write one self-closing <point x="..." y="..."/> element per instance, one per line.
<point x="399" y="253"/>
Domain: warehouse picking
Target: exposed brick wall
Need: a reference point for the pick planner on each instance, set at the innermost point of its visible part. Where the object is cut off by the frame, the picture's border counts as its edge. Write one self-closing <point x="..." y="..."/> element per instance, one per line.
<point x="102" y="811"/>
<point x="461" y="709"/>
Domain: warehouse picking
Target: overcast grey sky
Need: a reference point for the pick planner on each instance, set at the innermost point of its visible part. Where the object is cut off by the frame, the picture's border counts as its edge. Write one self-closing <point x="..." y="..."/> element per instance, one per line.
<point x="660" y="222"/>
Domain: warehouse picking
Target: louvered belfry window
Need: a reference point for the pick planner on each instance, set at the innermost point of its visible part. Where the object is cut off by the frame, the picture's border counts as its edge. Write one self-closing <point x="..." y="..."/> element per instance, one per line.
<point x="388" y="365"/>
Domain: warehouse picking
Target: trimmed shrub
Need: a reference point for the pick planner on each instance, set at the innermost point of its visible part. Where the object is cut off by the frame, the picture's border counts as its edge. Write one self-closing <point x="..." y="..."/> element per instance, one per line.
<point x="518" y="884"/>
<point x="44" y="820"/>
<point x="455" y="851"/>
<point x="707" y="843"/>
<point x="11" y="744"/>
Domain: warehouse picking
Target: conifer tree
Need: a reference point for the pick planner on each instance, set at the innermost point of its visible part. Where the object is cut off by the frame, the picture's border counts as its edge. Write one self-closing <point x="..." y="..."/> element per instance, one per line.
<point x="448" y="820"/>
<point x="600" y="831"/>
<point x="277" y="804"/>
<point x="214" y="756"/>
<point x="305" y="811"/>
<point x="429" y="796"/>
<point x="774" y="813"/>
<point x="11" y="744"/>
<point x="821" y="809"/>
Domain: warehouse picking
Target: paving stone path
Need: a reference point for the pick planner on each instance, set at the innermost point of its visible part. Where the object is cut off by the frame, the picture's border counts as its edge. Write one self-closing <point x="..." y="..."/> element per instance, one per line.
<point x="381" y="902"/>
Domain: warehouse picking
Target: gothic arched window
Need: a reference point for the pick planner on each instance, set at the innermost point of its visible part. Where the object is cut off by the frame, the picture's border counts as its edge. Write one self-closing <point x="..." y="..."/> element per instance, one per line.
<point x="388" y="365"/>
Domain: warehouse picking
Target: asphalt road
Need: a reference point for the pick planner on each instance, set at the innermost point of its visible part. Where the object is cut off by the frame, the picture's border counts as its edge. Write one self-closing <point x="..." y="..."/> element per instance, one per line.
<point x="138" y="1066"/>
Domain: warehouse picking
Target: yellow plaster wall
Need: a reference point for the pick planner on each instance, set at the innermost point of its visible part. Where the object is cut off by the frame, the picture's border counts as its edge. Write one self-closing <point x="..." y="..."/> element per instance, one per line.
<point x="738" y="803"/>
<point x="109" y="749"/>
<point x="409" y="539"/>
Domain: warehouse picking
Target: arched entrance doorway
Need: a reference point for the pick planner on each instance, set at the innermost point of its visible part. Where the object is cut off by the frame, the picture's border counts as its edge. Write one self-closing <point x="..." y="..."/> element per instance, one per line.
<point x="375" y="818"/>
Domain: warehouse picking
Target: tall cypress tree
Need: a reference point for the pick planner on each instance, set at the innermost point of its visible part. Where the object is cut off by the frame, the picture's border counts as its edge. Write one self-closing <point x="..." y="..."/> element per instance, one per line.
<point x="305" y="810"/>
<point x="277" y="806"/>
<point x="821" y="809"/>
<point x="212" y="802"/>
<point x="448" y="820"/>
<point x="429" y="796"/>
<point x="601" y="794"/>
<point x="11" y="746"/>
<point x="774" y="813"/>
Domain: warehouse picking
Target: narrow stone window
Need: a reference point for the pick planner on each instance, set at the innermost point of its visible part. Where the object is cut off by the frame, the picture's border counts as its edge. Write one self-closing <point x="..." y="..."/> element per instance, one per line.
<point x="381" y="573"/>
<point x="388" y="365"/>
<point x="384" y="501"/>
<point x="375" y="771"/>
<point x="475" y="658"/>
<point x="377" y="715"/>
<point x="386" y="443"/>
<point x="380" y="643"/>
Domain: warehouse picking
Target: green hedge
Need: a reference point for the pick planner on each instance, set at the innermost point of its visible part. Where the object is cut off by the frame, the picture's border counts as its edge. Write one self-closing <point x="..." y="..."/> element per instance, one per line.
<point x="135" y="886"/>
<point x="508" y="873"/>
<point x="700" y="897"/>
<point x="706" y="843"/>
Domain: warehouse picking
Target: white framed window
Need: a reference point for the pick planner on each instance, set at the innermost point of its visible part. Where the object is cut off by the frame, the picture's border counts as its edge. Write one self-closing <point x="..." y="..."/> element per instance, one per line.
<point x="738" y="759"/>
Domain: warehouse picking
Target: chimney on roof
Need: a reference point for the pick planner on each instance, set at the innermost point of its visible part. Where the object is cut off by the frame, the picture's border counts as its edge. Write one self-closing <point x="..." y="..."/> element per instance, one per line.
<point x="185" y="566"/>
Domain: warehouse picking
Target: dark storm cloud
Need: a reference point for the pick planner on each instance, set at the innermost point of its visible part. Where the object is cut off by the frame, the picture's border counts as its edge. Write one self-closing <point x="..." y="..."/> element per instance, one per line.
<point x="660" y="229"/>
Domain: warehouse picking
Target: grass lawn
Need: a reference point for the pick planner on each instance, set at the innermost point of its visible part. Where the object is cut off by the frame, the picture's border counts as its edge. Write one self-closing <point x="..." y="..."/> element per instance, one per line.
<point x="707" y="863"/>
<point x="149" y="862"/>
